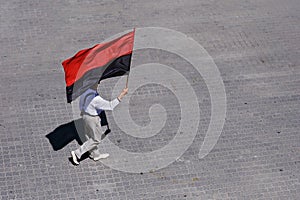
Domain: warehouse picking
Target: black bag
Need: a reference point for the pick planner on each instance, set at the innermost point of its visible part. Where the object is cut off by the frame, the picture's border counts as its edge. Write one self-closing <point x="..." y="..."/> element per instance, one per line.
<point x="104" y="122"/>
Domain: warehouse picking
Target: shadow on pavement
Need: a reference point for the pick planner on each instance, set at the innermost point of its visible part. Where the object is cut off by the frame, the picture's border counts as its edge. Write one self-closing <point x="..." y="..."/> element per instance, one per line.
<point x="66" y="133"/>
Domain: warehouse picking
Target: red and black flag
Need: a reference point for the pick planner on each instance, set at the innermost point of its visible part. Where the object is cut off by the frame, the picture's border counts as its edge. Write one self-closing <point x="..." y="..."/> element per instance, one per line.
<point x="92" y="65"/>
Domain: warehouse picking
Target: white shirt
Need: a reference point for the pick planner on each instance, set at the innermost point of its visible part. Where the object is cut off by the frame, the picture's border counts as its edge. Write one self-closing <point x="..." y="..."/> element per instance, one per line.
<point x="91" y="103"/>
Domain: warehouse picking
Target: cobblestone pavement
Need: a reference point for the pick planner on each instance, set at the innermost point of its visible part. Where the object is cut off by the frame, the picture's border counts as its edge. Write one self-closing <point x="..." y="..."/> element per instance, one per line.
<point x="255" y="45"/>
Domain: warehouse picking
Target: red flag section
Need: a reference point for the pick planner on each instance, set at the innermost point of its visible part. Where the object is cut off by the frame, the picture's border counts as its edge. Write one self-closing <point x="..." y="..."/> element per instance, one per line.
<point x="102" y="61"/>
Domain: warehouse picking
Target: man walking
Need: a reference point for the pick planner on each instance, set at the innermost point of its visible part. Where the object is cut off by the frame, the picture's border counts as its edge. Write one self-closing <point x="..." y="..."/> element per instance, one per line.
<point x="91" y="104"/>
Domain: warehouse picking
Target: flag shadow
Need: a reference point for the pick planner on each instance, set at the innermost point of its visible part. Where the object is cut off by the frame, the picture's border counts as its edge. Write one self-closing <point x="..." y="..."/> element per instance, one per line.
<point x="66" y="133"/>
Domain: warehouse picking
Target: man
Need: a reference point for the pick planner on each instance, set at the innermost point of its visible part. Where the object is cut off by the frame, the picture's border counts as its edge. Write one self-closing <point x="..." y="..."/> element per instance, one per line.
<point x="91" y="104"/>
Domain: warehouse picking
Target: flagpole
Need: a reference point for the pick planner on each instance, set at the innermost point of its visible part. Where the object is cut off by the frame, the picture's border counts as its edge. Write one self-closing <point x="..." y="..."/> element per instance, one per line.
<point x="127" y="81"/>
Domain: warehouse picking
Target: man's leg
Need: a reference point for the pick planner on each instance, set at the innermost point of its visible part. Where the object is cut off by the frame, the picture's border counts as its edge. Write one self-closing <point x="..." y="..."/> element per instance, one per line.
<point x="95" y="153"/>
<point x="91" y="127"/>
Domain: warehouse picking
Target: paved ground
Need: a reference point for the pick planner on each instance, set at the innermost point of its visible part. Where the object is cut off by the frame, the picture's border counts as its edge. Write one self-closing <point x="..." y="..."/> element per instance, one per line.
<point x="255" y="45"/>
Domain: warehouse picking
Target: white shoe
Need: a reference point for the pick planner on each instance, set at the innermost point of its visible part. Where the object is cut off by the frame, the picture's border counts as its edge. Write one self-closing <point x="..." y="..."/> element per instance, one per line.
<point x="74" y="157"/>
<point x="101" y="156"/>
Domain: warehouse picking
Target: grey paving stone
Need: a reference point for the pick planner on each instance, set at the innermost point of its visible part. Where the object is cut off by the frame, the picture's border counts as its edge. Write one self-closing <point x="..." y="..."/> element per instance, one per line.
<point x="255" y="45"/>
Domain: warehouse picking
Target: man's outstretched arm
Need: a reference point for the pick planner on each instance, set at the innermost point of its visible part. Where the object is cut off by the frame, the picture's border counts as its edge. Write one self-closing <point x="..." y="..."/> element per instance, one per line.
<point x="103" y="104"/>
